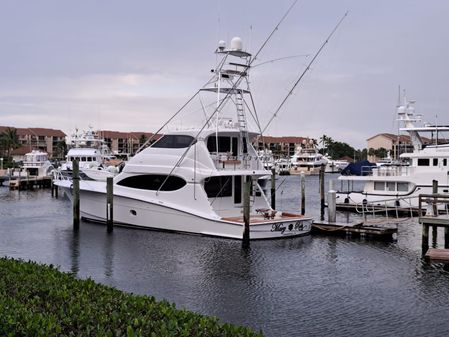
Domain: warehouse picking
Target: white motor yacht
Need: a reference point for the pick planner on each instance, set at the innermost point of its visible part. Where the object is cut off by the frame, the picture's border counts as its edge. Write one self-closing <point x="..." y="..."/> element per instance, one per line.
<point x="398" y="185"/>
<point x="36" y="164"/>
<point x="335" y="166"/>
<point x="307" y="158"/>
<point x="192" y="181"/>
<point x="93" y="156"/>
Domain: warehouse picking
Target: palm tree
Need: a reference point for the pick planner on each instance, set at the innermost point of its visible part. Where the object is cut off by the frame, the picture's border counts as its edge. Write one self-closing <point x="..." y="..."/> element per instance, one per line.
<point x="10" y="140"/>
<point x="61" y="149"/>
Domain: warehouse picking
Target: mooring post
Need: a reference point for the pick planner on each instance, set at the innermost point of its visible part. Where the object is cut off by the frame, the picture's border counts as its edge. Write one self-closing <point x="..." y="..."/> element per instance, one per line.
<point x="76" y="194"/>
<point x="446" y="237"/>
<point x="246" y="208"/>
<point x="434" y="192"/>
<point x="303" y="193"/>
<point x="273" y="188"/>
<point x="331" y="203"/>
<point x="322" y="191"/>
<point x="435" y="212"/>
<point x="52" y="186"/>
<point x="425" y="238"/>
<point x="109" y="204"/>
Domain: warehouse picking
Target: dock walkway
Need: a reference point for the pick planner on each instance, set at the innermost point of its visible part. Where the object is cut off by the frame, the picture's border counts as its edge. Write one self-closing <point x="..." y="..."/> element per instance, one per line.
<point x="437" y="215"/>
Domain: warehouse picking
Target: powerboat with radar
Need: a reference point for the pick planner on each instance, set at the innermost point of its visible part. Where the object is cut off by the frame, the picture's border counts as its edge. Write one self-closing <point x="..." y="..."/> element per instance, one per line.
<point x="193" y="180"/>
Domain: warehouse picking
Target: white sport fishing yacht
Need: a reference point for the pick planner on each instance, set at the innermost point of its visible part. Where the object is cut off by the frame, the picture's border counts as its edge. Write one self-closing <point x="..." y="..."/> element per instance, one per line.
<point x="397" y="186"/>
<point x="193" y="181"/>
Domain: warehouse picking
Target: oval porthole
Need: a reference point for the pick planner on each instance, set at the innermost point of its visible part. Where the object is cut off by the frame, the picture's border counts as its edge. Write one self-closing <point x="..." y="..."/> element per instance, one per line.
<point x="133" y="212"/>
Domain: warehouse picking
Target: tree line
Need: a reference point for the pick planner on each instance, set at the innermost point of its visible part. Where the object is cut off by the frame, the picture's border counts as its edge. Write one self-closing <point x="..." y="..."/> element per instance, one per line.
<point x="338" y="150"/>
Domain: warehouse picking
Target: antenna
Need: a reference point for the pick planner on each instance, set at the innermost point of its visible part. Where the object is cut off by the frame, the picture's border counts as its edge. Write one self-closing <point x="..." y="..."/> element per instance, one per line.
<point x="306" y="70"/>
<point x="235" y="85"/>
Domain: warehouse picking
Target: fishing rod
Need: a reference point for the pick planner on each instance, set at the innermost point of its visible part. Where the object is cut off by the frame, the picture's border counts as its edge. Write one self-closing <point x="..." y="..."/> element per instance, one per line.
<point x="305" y="71"/>
<point x="235" y="85"/>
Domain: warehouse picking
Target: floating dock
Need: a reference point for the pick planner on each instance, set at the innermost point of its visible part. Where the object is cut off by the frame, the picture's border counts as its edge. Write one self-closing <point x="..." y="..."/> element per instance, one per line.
<point x="29" y="183"/>
<point x="439" y="255"/>
<point x="354" y="229"/>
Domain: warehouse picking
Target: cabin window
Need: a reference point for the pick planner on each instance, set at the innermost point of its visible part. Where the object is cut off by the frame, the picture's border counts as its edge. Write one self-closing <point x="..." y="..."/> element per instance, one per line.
<point x="218" y="186"/>
<point x="435" y="161"/>
<point x="225" y="144"/>
<point x="423" y="162"/>
<point x="89" y="158"/>
<point x="153" y="182"/>
<point x="237" y="189"/>
<point x="444" y="162"/>
<point x="391" y="186"/>
<point x="174" y="141"/>
<point x="83" y="158"/>
<point x="379" y="185"/>
<point x="402" y="187"/>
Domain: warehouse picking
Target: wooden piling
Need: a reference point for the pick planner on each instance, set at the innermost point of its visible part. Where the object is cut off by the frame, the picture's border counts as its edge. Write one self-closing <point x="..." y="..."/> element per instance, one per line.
<point x="273" y="188"/>
<point x="303" y="193"/>
<point x="435" y="191"/>
<point x="246" y="208"/>
<point x="425" y="238"/>
<point x="52" y="185"/>
<point x="109" y="204"/>
<point x="435" y="212"/>
<point x="446" y="237"/>
<point x="322" y="192"/>
<point x="76" y="194"/>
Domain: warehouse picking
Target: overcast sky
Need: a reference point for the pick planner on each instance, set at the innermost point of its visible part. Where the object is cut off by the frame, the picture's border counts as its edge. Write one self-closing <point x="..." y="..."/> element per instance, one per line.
<point x="128" y="65"/>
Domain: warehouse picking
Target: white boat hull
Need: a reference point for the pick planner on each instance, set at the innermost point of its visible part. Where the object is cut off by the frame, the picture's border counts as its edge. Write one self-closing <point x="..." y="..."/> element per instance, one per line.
<point x="143" y="214"/>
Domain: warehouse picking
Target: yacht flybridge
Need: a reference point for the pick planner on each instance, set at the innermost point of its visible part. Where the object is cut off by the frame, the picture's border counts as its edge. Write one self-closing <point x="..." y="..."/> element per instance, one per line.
<point x="399" y="185"/>
<point x="192" y="180"/>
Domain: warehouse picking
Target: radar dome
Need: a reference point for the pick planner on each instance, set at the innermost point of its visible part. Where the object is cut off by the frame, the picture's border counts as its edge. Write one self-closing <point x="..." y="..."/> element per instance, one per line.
<point x="221" y="44"/>
<point x="236" y="43"/>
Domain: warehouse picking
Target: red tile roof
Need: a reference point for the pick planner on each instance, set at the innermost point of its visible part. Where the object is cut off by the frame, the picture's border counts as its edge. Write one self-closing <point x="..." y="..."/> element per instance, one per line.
<point x="35" y="131"/>
<point x="124" y="135"/>
<point x="287" y="139"/>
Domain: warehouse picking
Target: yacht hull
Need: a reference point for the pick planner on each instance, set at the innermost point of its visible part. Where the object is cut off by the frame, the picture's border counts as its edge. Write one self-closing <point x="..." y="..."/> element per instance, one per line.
<point x="132" y="212"/>
<point x="367" y="202"/>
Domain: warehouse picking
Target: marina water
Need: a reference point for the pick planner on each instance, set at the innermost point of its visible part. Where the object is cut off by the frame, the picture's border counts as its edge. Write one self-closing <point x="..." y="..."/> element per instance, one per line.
<point x="308" y="286"/>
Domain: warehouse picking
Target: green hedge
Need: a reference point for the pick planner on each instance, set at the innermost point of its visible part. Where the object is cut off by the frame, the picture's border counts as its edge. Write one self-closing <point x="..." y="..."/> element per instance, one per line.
<point x="39" y="300"/>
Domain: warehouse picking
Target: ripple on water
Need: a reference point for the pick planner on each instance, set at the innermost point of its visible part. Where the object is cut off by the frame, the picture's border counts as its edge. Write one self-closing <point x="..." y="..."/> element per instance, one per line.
<point x="310" y="286"/>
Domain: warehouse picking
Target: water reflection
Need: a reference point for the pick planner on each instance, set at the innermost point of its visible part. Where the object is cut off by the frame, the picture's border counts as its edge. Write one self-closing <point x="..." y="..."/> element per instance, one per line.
<point x="322" y="286"/>
<point x="75" y="252"/>
<point x="109" y="255"/>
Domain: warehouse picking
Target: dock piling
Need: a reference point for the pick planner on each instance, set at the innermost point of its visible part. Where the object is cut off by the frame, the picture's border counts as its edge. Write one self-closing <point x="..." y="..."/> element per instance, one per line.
<point x="273" y="188"/>
<point x="246" y="208"/>
<point x="109" y="204"/>
<point x="76" y="194"/>
<point x="332" y="206"/>
<point x="322" y="192"/>
<point x="303" y="193"/>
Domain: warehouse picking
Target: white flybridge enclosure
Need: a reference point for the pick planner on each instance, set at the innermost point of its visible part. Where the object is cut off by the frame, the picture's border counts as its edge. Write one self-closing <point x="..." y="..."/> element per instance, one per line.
<point x="193" y="180"/>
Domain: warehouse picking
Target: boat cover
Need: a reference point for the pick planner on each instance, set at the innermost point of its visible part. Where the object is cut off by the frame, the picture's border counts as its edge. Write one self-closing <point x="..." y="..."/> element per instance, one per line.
<point x="360" y="168"/>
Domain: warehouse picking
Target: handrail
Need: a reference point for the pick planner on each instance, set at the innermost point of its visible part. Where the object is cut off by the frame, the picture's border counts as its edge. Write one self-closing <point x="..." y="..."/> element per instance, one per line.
<point x="381" y="206"/>
<point x="434" y="200"/>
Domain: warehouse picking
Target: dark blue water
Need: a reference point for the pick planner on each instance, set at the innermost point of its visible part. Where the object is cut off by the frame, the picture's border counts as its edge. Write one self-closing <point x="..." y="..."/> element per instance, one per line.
<point x="310" y="286"/>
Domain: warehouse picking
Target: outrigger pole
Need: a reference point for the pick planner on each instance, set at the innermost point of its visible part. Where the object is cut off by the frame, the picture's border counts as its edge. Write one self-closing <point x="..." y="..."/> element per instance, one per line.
<point x="235" y="85"/>
<point x="305" y="71"/>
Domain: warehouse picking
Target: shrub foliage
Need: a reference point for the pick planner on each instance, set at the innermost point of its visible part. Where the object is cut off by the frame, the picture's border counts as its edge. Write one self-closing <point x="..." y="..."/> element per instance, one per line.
<point x="39" y="300"/>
